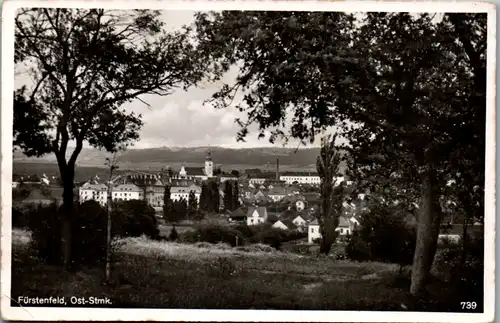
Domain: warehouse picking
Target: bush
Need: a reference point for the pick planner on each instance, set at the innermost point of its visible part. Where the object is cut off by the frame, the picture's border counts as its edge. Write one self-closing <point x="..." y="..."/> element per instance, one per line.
<point x="89" y="229"/>
<point x="214" y="234"/>
<point x="134" y="218"/>
<point x="20" y="219"/>
<point x="383" y="237"/>
<point x="173" y="234"/>
<point x="358" y="249"/>
<point x="44" y="223"/>
<point x="271" y="237"/>
<point x="90" y="233"/>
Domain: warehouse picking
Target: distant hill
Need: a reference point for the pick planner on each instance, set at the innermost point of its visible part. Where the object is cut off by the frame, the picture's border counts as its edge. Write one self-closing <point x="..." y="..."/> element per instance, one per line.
<point x="290" y="159"/>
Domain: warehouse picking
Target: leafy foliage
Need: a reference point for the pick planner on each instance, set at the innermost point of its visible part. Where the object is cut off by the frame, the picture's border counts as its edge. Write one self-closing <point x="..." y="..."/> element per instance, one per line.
<point x="134" y="218"/>
<point x="407" y="91"/>
<point x="331" y="195"/>
<point x="384" y="235"/>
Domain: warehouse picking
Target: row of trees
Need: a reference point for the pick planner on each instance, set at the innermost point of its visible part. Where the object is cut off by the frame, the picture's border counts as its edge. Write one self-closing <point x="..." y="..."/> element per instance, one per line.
<point x="210" y="197"/>
<point x="407" y="91"/>
<point x="177" y="210"/>
<point x="231" y="195"/>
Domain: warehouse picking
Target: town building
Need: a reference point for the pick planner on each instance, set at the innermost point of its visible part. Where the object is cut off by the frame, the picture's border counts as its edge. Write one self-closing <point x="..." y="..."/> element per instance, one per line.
<point x="127" y="192"/>
<point x="314" y="233"/>
<point x="96" y="192"/>
<point x="256" y="215"/>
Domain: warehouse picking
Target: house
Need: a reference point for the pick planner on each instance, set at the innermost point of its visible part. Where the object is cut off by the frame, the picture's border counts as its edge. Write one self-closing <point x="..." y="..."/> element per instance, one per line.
<point x="344" y="227"/>
<point x="285" y="224"/>
<point x="301" y="223"/>
<point x="256" y="215"/>
<point x="260" y="197"/>
<point x="279" y="225"/>
<point x="313" y="232"/>
<point x="237" y="216"/>
<point x="300" y="205"/>
<point x="276" y="194"/>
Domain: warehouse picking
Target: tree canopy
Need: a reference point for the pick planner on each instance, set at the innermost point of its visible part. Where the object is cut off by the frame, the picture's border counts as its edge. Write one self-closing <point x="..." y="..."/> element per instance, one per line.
<point x="407" y="90"/>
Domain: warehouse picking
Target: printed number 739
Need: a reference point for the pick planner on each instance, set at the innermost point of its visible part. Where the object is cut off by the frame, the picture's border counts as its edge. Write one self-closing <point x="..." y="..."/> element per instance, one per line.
<point x="468" y="305"/>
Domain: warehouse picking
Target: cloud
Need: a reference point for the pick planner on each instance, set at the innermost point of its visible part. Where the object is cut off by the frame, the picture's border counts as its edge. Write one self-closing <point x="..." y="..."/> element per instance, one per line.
<point x="182" y="118"/>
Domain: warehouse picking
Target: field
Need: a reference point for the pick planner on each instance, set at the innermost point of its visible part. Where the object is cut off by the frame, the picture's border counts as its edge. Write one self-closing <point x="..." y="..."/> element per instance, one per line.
<point x="151" y="274"/>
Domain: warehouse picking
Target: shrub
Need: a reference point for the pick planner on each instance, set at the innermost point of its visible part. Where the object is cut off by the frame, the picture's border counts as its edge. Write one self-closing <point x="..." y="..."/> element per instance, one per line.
<point x="358" y="249"/>
<point x="90" y="233"/>
<point x="212" y="233"/>
<point x="384" y="236"/>
<point x="20" y="219"/>
<point x="134" y="218"/>
<point x="245" y="230"/>
<point x="271" y="237"/>
<point x="44" y="224"/>
<point x="173" y="234"/>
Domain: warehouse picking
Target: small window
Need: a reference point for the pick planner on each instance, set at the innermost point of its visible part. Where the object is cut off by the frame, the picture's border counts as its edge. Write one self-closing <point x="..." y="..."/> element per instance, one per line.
<point x="341" y="230"/>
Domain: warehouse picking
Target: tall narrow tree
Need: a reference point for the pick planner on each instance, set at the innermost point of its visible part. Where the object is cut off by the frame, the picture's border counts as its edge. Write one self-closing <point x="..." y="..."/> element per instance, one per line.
<point x="168" y="208"/>
<point x="204" y="198"/>
<point x="327" y="166"/>
<point x="85" y="64"/>
<point x="192" y="205"/>
<point x="228" y="195"/>
<point x="236" y="196"/>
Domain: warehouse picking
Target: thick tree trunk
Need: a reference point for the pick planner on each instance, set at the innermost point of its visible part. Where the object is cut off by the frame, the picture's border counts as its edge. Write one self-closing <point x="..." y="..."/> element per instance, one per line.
<point x="427" y="233"/>
<point x="67" y="217"/>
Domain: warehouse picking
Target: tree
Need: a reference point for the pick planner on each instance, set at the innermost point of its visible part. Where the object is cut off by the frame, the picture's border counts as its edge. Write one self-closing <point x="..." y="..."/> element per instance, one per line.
<point x="400" y="87"/>
<point x="192" y="205"/>
<point x="86" y="63"/>
<point x="228" y="195"/>
<point x="180" y="210"/>
<point x="235" y="173"/>
<point x="327" y="166"/>
<point x="204" y="197"/>
<point x="168" y="205"/>
<point x="214" y="196"/>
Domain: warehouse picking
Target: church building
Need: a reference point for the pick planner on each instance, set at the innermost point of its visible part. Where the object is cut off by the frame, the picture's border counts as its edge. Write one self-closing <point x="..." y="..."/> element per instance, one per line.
<point x="198" y="172"/>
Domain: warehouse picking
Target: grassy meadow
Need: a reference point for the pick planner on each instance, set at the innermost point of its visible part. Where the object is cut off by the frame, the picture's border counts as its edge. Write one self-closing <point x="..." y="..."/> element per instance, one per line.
<point x="157" y="274"/>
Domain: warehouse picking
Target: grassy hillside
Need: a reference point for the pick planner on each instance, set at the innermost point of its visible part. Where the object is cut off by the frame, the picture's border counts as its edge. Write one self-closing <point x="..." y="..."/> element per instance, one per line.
<point x="150" y="274"/>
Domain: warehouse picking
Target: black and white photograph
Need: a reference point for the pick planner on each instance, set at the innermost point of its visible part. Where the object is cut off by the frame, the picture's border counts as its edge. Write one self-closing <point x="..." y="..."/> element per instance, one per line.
<point x="271" y="161"/>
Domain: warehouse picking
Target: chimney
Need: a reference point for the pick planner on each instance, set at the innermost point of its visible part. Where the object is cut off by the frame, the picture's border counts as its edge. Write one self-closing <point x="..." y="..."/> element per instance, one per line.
<point x="277" y="168"/>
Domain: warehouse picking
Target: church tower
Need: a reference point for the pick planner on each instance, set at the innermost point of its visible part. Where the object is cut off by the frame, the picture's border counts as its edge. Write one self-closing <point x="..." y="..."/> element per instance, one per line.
<point x="209" y="165"/>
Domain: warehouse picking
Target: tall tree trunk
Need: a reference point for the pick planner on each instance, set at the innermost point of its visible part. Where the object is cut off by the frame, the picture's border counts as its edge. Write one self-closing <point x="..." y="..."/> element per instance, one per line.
<point x="67" y="216"/>
<point x="429" y="220"/>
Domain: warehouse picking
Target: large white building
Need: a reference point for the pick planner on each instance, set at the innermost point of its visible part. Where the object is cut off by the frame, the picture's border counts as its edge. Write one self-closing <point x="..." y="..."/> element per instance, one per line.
<point x="310" y="179"/>
<point x="127" y="192"/>
<point x="182" y="192"/>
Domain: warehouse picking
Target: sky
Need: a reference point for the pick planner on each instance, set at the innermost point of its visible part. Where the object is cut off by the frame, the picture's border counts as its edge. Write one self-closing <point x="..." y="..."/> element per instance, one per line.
<point x="182" y="119"/>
